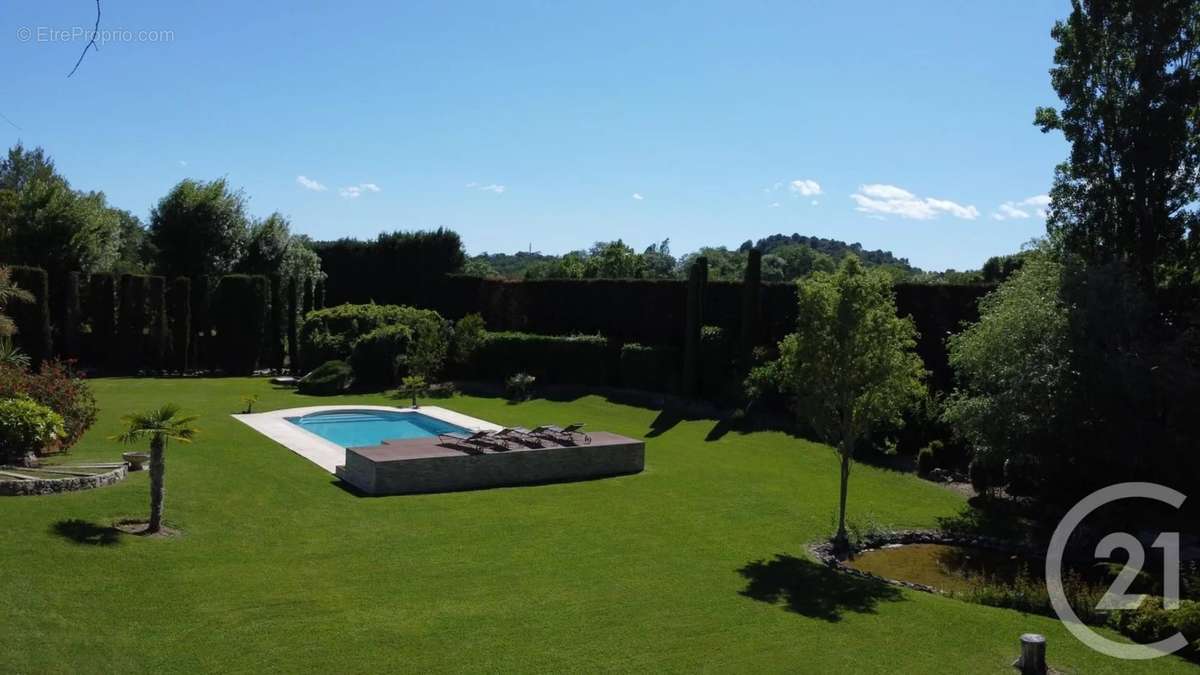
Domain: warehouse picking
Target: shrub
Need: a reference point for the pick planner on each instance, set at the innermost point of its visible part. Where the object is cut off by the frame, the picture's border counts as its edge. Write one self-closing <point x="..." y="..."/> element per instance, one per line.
<point x="519" y="387"/>
<point x="986" y="473"/>
<point x="1022" y="475"/>
<point x="331" y="377"/>
<point x="377" y="356"/>
<point x="650" y="368"/>
<point x="469" y="333"/>
<point x="240" y="313"/>
<point x="330" y="333"/>
<point x="1151" y="622"/>
<point x="58" y="388"/>
<point x="27" y="427"/>
<point x="1027" y="593"/>
<point x="553" y="359"/>
<point x="925" y="461"/>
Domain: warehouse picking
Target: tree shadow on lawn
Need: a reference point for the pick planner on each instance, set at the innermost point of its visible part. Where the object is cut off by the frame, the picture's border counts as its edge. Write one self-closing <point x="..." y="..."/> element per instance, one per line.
<point x="813" y="590"/>
<point x="84" y="532"/>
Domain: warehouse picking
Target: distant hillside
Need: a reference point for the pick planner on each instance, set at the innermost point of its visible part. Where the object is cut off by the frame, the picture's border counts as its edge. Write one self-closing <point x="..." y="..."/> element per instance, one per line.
<point x="787" y="257"/>
<point x="832" y="247"/>
<point x="513" y="265"/>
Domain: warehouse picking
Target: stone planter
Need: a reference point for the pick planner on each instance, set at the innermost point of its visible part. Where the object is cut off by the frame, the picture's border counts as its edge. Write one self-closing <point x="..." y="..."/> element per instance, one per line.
<point x="135" y="460"/>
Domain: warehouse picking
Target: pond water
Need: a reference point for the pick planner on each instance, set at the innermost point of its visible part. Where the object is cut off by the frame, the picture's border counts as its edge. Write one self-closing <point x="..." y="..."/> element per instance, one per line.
<point x="943" y="566"/>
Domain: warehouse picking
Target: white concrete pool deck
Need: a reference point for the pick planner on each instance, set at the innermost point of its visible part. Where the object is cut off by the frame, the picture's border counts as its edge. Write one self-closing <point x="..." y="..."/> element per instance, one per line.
<point x="327" y="454"/>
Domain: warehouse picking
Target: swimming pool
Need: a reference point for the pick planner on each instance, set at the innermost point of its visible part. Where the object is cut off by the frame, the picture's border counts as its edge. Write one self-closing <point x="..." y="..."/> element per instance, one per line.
<point x="364" y="428"/>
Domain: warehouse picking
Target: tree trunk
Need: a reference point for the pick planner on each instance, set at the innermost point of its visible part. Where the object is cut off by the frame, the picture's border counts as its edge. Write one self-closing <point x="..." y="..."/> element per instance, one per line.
<point x="841" y="540"/>
<point x="158" y="469"/>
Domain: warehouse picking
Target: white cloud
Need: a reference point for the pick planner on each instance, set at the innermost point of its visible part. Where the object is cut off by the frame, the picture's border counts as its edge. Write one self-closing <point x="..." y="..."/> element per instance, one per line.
<point x="1026" y="208"/>
<point x="356" y="191"/>
<point x="806" y="187"/>
<point x="773" y="205"/>
<point x="888" y="200"/>
<point x="498" y="189"/>
<point x="183" y="162"/>
<point x="815" y="202"/>
<point x="310" y="184"/>
<point x="638" y="196"/>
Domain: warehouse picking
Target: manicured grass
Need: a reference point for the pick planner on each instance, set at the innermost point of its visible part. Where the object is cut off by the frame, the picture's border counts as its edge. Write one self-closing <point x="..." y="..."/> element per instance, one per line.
<point x="697" y="563"/>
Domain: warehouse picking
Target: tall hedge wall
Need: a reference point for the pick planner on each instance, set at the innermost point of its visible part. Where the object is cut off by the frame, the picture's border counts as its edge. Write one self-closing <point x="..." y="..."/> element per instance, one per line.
<point x="180" y="304"/>
<point x="101" y="317"/>
<point x="240" y="318"/>
<point x="402" y="268"/>
<point x="652" y="311"/>
<point x="32" y="318"/>
<point x="579" y="359"/>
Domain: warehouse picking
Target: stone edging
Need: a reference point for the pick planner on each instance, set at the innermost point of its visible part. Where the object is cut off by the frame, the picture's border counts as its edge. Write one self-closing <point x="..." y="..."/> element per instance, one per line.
<point x="825" y="554"/>
<point x="46" y="486"/>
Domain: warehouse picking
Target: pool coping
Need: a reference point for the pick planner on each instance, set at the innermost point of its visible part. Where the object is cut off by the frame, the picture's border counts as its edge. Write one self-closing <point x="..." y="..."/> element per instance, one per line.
<point x="327" y="454"/>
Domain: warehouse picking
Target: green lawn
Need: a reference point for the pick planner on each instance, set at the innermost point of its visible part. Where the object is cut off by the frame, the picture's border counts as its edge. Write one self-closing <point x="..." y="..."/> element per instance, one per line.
<point x="696" y="564"/>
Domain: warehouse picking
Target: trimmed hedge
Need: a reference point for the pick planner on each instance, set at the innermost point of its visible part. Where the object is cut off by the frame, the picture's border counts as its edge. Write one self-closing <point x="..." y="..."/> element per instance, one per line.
<point x="400" y="268"/>
<point x="329" y="334"/>
<point x="180" y="302"/>
<point x="376" y="355"/>
<point x="653" y="311"/>
<point x="578" y="359"/>
<point x="293" y="326"/>
<point x="241" y="318"/>
<point x="274" y="351"/>
<point x="102" y="318"/>
<point x="717" y="375"/>
<point x="331" y="377"/>
<point x="156" y="306"/>
<point x="131" y="322"/>
<point x="650" y="367"/>
<point x="32" y="318"/>
<point x="202" y="323"/>
<point x="71" y="318"/>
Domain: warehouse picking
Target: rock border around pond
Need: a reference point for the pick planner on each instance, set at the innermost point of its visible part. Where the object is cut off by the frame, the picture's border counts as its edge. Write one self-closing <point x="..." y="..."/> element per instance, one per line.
<point x="824" y="552"/>
<point x="49" y="486"/>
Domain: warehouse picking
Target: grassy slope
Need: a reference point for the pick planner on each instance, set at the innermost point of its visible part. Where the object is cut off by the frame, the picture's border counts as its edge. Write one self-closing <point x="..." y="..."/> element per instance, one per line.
<point x="280" y="569"/>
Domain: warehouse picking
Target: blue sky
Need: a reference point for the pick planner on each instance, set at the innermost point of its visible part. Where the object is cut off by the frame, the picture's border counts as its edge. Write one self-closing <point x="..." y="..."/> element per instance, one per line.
<point x="903" y="126"/>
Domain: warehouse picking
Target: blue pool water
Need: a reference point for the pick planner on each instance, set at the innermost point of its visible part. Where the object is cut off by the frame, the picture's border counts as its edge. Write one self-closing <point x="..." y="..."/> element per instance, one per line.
<point x="359" y="428"/>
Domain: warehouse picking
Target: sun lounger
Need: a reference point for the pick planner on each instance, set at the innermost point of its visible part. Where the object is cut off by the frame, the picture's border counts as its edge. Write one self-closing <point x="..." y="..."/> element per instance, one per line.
<point x="572" y="433"/>
<point x="520" y="435"/>
<point x="472" y="439"/>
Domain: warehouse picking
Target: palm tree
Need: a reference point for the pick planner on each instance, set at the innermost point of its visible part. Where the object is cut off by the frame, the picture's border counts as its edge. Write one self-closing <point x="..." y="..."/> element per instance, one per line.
<point x="160" y="425"/>
<point x="10" y="291"/>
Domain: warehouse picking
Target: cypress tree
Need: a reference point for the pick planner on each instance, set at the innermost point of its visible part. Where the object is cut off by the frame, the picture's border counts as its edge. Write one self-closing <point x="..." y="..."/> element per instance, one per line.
<point x="751" y="308"/>
<point x="694" y="319"/>
<point x="293" y="334"/>
<point x="33" y="318"/>
<point x="181" y="323"/>
<point x="275" y="334"/>
<point x="102" y="317"/>
<point x="156" y="291"/>
<point x="131" y="322"/>
<point x="71" y="316"/>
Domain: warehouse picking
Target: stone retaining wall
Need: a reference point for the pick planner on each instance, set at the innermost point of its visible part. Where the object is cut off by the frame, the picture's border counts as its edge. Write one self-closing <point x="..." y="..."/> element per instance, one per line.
<point x="47" y="486"/>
